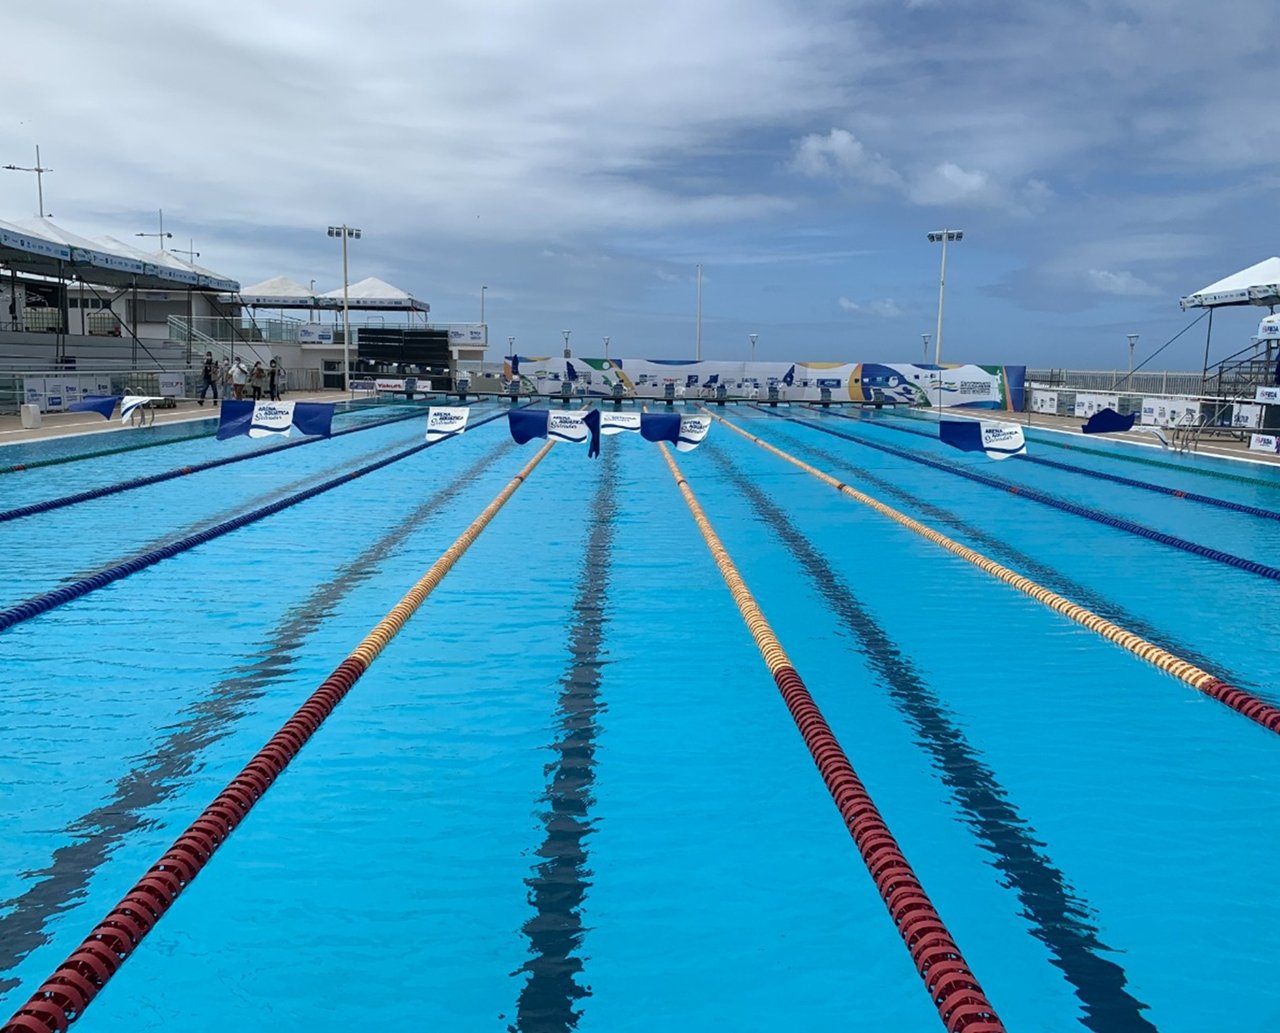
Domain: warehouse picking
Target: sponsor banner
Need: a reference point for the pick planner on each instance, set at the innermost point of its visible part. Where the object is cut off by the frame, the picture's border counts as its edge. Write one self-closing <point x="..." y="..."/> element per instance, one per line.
<point x="468" y="334"/>
<point x="1264" y="443"/>
<point x="994" y="439"/>
<point x="315" y="333"/>
<point x="619" y="422"/>
<point x="1087" y="403"/>
<point x="1044" y="401"/>
<point x="1169" y="412"/>
<point x="573" y="427"/>
<point x="444" y="421"/>
<point x="570" y="427"/>
<point x="1270" y="395"/>
<point x="172" y="385"/>
<point x="273" y="419"/>
<point x="693" y="429"/>
<point x="968" y="386"/>
<point x="1245" y="415"/>
<point x="1269" y="328"/>
<point x="364" y="385"/>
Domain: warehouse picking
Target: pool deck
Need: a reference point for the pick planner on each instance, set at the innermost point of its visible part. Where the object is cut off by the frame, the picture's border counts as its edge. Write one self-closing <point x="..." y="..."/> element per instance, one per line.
<point x="66" y="424"/>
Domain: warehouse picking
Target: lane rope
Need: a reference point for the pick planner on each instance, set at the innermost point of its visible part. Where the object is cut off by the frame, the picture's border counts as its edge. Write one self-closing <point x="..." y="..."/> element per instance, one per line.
<point x="1118" y="523"/>
<point x="73" y="985"/>
<point x="1160" y="489"/>
<point x="1239" y="700"/>
<point x="956" y="994"/>
<point x="182" y="471"/>
<point x="39" y="604"/>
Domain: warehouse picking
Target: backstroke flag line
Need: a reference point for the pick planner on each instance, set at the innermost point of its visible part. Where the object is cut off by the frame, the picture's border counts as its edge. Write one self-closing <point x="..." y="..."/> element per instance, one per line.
<point x="274" y="419"/>
<point x="444" y="421"/>
<point x="104" y="405"/>
<point x="692" y="431"/>
<point x="991" y="437"/>
<point x="575" y="428"/>
<point x="685" y="432"/>
<point x="1106" y="421"/>
<point x="131" y="402"/>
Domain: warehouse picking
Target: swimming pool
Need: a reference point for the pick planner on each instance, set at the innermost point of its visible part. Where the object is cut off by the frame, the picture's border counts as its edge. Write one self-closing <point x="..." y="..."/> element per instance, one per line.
<point x="568" y="796"/>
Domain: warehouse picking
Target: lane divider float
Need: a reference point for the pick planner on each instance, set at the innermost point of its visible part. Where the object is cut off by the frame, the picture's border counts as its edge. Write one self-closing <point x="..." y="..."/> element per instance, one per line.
<point x="182" y="471"/>
<point x="956" y="994"/>
<point x="39" y="604"/>
<point x="1119" y="523"/>
<point x="1159" y="489"/>
<point x="73" y="985"/>
<point x="1246" y="703"/>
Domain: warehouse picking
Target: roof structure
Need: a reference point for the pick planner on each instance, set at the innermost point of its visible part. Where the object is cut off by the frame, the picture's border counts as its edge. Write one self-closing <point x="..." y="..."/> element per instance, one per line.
<point x="1257" y="285"/>
<point x="42" y="248"/>
<point x="277" y="292"/>
<point x="372" y="293"/>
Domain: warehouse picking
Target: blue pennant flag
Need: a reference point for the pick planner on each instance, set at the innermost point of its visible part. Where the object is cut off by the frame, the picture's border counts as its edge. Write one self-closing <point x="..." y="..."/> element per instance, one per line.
<point x="712" y="380"/>
<point x="102" y="404"/>
<point x="655" y="426"/>
<point x="789" y="377"/>
<point x="569" y="372"/>
<point x="991" y="437"/>
<point x="274" y="419"/>
<point x="515" y="366"/>
<point x="575" y="428"/>
<point x="691" y="380"/>
<point x="1106" y="421"/>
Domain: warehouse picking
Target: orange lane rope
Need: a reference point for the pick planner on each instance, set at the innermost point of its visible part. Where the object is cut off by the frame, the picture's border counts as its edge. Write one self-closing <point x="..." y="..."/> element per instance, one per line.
<point x="1251" y="706"/>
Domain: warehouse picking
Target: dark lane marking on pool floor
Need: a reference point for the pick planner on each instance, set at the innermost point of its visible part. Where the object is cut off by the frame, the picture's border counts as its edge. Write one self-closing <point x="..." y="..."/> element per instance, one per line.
<point x="1028" y="565"/>
<point x="156" y="777"/>
<point x="559" y="883"/>
<point x="1054" y="910"/>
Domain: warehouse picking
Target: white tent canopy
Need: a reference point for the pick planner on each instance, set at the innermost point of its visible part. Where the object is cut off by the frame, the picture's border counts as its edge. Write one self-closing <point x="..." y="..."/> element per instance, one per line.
<point x="372" y="293"/>
<point x="277" y="291"/>
<point x="1257" y="285"/>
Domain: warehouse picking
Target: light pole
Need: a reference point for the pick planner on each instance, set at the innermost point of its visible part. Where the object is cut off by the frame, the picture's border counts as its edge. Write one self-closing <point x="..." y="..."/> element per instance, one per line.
<point x="345" y="232"/>
<point x="697" y="333"/>
<point x="482" y="290"/>
<point x="39" y="170"/>
<point x="606" y="349"/>
<point x="752" y="339"/>
<point x="162" y="234"/>
<point x="1133" y="343"/>
<point x="942" y="237"/>
<point x="566" y="342"/>
<point x="925" y="337"/>
<point x="311" y="312"/>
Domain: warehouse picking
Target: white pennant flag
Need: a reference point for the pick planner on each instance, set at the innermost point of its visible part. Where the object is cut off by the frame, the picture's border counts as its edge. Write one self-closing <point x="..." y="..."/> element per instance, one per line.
<point x="692" y="430"/>
<point x="271" y="419"/>
<point x="444" y="421"/>
<point x="618" y="422"/>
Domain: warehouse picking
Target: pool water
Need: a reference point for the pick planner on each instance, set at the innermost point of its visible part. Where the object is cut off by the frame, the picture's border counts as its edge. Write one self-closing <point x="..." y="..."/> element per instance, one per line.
<point x="568" y="794"/>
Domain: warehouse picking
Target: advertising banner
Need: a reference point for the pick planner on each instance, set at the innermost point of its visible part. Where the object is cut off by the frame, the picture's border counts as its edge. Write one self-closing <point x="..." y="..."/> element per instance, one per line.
<point x="1270" y="395"/>
<point x="315" y="333"/>
<point x="1087" y="403"/>
<point x="1264" y="443"/>
<point x="446" y="420"/>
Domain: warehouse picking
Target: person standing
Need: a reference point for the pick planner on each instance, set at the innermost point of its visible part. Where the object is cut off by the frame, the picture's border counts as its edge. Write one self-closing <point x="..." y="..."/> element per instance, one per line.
<point x="273" y="381"/>
<point x="257" y="380"/>
<point x="208" y="378"/>
<point x="239" y="377"/>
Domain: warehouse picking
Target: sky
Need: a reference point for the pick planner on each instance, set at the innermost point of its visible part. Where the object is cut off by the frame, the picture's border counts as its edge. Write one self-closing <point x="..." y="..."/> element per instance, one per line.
<point x="581" y="160"/>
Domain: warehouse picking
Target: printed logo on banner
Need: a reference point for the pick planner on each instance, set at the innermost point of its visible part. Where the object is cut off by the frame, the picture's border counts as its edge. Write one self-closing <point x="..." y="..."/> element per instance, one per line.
<point x="364" y="385"/>
<point x="1000" y="441"/>
<point x="567" y="426"/>
<point x="618" y="422"/>
<point x="1268" y="394"/>
<point x="446" y="420"/>
<point x="271" y="418"/>
<point x="1264" y="443"/>
<point x="693" y="429"/>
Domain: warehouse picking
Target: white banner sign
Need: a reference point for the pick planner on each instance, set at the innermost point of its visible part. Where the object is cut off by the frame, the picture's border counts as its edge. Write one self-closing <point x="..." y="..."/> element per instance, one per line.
<point x="692" y="430"/>
<point x="1264" y="443"/>
<point x="568" y="426"/>
<point x="1245" y="415"/>
<point x="618" y="422"/>
<point x="1002" y="440"/>
<point x="468" y="333"/>
<point x="1088" y="404"/>
<point x="446" y="420"/>
<point x="271" y="419"/>
<point x="1271" y="395"/>
<point x="1044" y="401"/>
<point x="315" y="333"/>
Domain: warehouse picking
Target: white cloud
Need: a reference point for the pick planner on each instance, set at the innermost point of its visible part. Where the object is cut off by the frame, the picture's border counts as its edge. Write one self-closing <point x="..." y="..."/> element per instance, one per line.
<point x="1122" y="283"/>
<point x="883" y="308"/>
<point x="840" y="153"/>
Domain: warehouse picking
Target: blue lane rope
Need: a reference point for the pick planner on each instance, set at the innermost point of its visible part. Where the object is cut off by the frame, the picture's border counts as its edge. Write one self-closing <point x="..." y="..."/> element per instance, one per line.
<point x="1119" y="523"/>
<point x="181" y="471"/>
<point x="33" y="607"/>
<point x="1160" y="489"/>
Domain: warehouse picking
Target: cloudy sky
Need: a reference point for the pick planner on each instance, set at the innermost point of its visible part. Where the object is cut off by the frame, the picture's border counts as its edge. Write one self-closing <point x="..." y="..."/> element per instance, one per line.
<point x="1103" y="157"/>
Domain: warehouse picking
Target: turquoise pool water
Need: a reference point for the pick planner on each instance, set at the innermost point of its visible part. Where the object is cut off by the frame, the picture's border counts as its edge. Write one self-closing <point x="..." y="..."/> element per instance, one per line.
<point x="568" y="795"/>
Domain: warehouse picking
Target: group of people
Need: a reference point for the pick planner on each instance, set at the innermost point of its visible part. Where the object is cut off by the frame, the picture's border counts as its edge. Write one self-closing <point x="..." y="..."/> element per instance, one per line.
<point x="235" y="378"/>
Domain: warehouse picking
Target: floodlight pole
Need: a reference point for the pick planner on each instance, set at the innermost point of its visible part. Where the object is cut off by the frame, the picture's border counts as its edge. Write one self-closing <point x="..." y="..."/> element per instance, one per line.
<point x="606" y="349"/>
<point x="942" y="237"/>
<point x="925" y="338"/>
<point x="162" y="235"/>
<point x="697" y="333"/>
<point x="344" y="231"/>
<point x="1133" y="341"/>
<point x="752" y="339"/>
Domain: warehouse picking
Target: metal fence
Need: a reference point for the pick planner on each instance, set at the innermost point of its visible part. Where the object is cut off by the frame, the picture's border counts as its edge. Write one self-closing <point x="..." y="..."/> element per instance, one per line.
<point x="1140" y="383"/>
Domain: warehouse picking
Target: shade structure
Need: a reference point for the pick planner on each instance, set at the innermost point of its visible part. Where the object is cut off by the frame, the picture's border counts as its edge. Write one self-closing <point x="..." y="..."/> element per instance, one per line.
<point x="277" y="292"/>
<point x="1257" y="285"/>
<point x="372" y="293"/>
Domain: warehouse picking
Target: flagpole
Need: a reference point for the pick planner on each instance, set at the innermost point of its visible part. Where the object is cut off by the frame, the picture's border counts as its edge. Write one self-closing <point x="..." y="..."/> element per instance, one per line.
<point x="697" y="339"/>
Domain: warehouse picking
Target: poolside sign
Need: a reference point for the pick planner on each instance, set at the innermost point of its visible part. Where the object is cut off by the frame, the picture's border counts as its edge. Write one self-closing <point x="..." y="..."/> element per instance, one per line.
<point x="273" y="419"/>
<point x="444" y="421"/>
<point x="994" y="439"/>
<point x="574" y="428"/>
